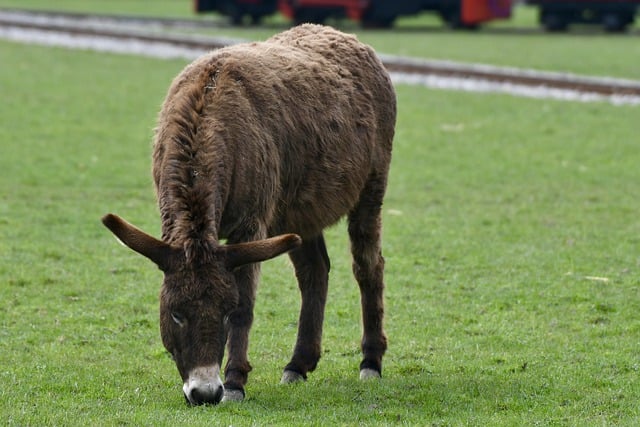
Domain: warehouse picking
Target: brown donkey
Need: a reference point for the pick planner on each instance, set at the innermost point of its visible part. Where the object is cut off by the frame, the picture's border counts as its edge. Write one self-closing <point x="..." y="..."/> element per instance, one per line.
<point x="255" y="140"/>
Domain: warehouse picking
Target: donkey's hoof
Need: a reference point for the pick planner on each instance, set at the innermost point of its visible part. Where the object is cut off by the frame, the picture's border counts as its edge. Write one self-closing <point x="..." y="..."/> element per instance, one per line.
<point x="289" y="377"/>
<point x="367" y="374"/>
<point x="233" y="395"/>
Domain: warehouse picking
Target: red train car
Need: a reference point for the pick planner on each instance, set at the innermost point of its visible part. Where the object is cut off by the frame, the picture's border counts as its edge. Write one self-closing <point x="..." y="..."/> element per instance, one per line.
<point x="372" y="13"/>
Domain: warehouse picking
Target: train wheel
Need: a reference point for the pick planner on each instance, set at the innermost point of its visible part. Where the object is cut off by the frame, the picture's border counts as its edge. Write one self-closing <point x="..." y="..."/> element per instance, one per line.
<point x="310" y="15"/>
<point x="378" y="22"/>
<point x="553" y="21"/>
<point x="371" y="19"/>
<point x="256" y="19"/>
<point x="452" y="17"/>
<point x="614" y="22"/>
<point x="233" y="11"/>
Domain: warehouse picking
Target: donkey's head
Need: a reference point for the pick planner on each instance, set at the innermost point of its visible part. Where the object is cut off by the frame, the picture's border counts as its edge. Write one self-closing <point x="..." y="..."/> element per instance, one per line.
<point x="198" y="294"/>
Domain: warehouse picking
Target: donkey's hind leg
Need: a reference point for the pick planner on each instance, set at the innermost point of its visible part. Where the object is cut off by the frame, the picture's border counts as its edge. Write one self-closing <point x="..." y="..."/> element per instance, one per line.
<point x="311" y="263"/>
<point x="368" y="266"/>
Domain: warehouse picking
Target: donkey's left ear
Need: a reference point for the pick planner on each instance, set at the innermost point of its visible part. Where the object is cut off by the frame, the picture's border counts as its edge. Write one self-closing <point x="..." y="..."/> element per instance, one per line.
<point x="261" y="250"/>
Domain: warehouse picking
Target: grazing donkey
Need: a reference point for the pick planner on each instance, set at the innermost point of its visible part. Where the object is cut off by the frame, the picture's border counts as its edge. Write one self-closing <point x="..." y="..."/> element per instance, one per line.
<point x="255" y="140"/>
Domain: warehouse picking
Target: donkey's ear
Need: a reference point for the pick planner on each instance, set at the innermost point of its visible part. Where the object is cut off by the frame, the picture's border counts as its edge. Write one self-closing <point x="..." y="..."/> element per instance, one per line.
<point x="154" y="249"/>
<point x="245" y="253"/>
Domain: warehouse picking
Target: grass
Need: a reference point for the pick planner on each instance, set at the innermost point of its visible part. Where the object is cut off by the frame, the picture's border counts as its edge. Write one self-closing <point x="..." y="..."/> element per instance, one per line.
<point x="582" y="51"/>
<point x="511" y="238"/>
<point x="157" y="8"/>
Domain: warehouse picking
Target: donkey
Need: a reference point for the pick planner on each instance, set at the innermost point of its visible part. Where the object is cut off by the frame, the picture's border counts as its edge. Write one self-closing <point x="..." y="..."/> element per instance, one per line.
<point x="265" y="145"/>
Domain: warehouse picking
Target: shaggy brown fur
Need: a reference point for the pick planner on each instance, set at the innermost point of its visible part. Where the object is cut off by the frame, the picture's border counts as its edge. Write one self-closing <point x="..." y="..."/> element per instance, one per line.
<point x="254" y="140"/>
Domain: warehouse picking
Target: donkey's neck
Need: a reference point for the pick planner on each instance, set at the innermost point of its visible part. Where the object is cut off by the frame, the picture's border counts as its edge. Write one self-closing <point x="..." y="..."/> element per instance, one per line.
<point x="191" y="198"/>
<point x="190" y="165"/>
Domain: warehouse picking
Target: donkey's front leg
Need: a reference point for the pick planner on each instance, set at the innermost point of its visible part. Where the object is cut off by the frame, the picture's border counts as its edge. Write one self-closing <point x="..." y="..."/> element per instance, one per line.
<point x="239" y="324"/>
<point x="311" y="263"/>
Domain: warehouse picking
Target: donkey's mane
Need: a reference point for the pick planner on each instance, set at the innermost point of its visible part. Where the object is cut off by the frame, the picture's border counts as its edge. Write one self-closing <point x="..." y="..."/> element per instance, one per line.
<point x="186" y="201"/>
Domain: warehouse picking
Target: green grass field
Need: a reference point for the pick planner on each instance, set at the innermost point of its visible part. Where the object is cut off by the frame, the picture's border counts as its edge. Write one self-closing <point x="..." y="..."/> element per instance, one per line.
<point x="511" y="236"/>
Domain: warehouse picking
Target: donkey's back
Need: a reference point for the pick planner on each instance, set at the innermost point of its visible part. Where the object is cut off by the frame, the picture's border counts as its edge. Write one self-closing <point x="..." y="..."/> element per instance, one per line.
<point x="298" y="123"/>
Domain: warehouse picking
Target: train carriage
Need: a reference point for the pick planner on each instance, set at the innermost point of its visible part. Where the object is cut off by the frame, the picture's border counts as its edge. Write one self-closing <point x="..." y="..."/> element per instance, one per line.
<point x="371" y="13"/>
<point x="555" y="15"/>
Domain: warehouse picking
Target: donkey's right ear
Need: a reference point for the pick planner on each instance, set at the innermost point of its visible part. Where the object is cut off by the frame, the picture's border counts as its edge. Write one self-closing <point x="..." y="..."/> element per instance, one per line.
<point x="239" y="254"/>
<point x="156" y="250"/>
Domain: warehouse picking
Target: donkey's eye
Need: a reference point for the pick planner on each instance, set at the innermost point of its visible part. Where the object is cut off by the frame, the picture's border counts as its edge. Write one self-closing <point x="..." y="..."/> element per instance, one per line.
<point x="177" y="318"/>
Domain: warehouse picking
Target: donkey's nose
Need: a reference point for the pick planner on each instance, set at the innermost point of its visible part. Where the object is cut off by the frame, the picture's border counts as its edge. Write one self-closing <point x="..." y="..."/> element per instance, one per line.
<point x="203" y="386"/>
<point x="201" y="396"/>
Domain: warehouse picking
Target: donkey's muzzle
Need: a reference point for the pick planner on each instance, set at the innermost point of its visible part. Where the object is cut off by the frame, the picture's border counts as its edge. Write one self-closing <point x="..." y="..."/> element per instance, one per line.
<point x="204" y="397"/>
<point x="203" y="386"/>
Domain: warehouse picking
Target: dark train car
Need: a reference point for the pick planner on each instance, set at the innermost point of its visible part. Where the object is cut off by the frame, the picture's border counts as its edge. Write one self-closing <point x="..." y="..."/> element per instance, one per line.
<point x="238" y="10"/>
<point x="371" y="13"/>
<point x="613" y="15"/>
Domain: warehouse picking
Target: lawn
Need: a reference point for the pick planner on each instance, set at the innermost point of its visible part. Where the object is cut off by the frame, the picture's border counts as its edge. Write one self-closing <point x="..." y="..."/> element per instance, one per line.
<point x="511" y="235"/>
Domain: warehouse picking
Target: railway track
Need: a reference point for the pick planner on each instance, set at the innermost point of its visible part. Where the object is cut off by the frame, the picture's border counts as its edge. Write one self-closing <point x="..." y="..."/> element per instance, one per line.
<point x="116" y="30"/>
